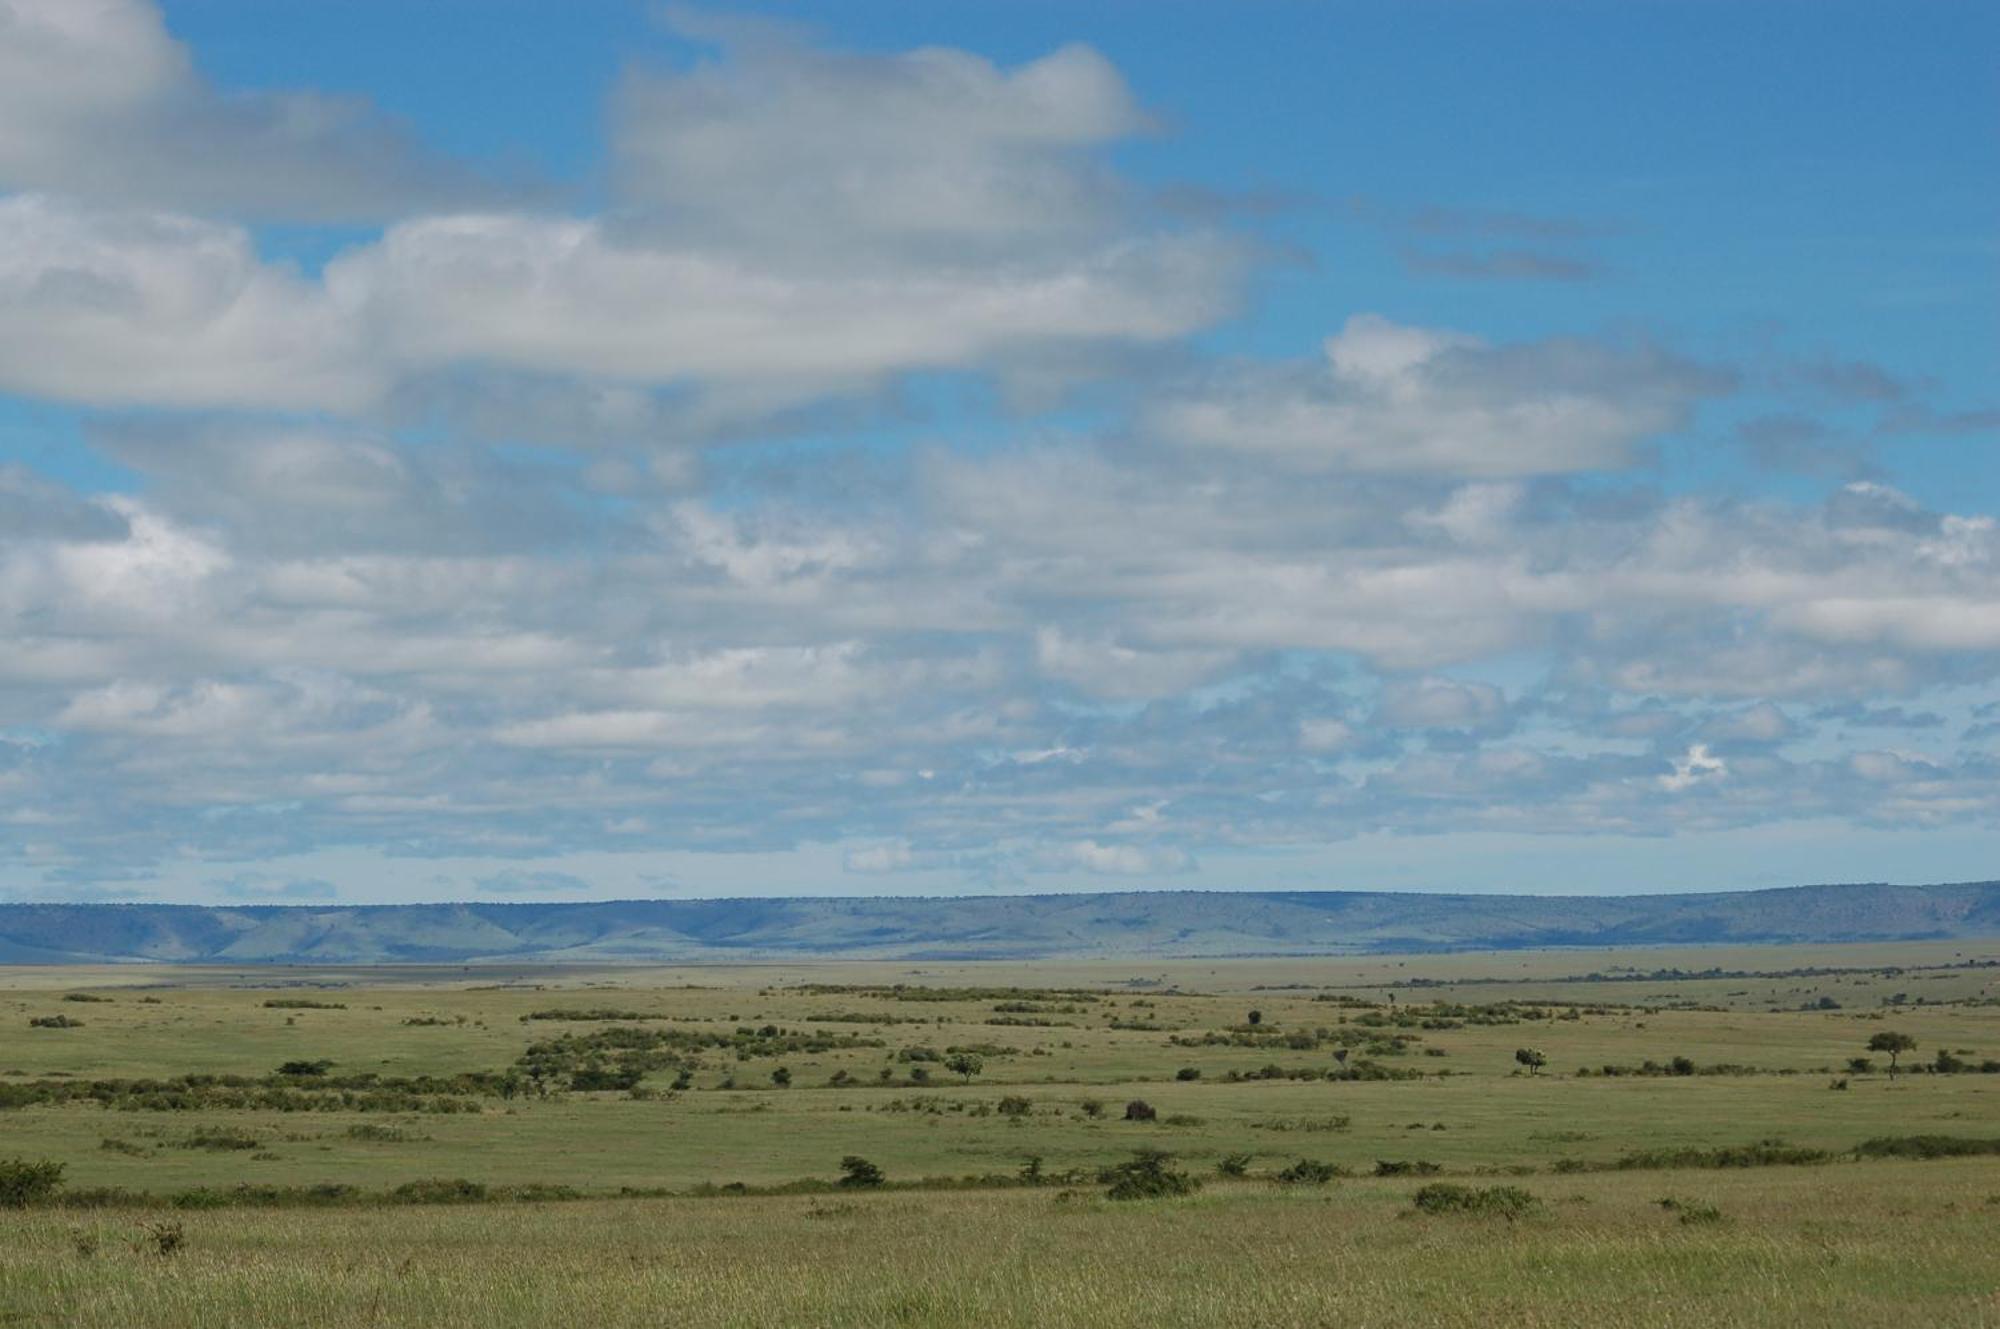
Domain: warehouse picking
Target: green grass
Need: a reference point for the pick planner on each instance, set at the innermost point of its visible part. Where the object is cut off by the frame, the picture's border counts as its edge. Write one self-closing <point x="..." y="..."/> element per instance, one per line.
<point x="1897" y="1244"/>
<point x="1903" y="1231"/>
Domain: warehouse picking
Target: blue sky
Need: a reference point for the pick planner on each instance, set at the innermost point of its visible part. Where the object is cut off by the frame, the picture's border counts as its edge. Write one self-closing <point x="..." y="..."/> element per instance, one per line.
<point x="514" y="450"/>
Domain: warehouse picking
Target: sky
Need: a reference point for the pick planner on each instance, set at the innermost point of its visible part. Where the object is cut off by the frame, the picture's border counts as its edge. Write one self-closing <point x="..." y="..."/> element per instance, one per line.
<point x="491" y="449"/>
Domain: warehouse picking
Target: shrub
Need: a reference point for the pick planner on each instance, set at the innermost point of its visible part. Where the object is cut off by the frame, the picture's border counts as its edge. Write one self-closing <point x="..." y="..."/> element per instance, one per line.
<point x="1140" y="1110"/>
<point x="1692" y="1212"/>
<point x="857" y="1173"/>
<point x="439" y="1190"/>
<point x="1092" y="1108"/>
<point x="23" y="1183"/>
<point x="306" y="1069"/>
<point x="53" y="1022"/>
<point x="1150" y="1175"/>
<point x="302" y="1004"/>
<point x="1309" y="1172"/>
<point x="1926" y="1146"/>
<point x="1014" y="1105"/>
<point x="1233" y="1165"/>
<point x="1444" y="1197"/>
<point x="166" y="1238"/>
<point x="1188" y="1073"/>
<point x="1414" y="1167"/>
<point x="1764" y="1153"/>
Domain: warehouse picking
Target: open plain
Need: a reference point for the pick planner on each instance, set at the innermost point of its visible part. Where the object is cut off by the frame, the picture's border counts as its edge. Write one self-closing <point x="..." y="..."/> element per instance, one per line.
<point x="1550" y="1137"/>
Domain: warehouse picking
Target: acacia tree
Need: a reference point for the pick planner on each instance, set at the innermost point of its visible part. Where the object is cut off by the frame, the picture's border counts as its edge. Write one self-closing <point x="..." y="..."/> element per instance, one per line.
<point x="964" y="1063"/>
<point x="1532" y="1059"/>
<point x="1894" y="1044"/>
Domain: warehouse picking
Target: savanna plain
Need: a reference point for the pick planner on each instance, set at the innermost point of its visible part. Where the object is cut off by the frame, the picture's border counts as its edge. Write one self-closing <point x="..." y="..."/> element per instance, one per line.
<point x="1715" y="1136"/>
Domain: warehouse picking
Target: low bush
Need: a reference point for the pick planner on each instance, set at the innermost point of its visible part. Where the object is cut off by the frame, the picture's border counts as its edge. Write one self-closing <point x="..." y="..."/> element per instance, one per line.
<point x="1926" y="1146"/>
<point x="1692" y="1213"/>
<point x="23" y="1183"/>
<point x="1149" y="1175"/>
<point x="1406" y="1167"/>
<point x="1444" y="1197"/>
<point x="439" y="1190"/>
<point x="1764" y="1153"/>
<point x="1309" y="1172"/>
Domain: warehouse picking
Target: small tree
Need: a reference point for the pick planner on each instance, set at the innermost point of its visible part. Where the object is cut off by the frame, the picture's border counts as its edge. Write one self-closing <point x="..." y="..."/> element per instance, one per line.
<point x="1532" y="1059"/>
<point x="1140" y="1110"/>
<point x="967" y="1064"/>
<point x="857" y="1173"/>
<point x="782" y="1077"/>
<point x="1894" y="1044"/>
<point x="1256" y="1017"/>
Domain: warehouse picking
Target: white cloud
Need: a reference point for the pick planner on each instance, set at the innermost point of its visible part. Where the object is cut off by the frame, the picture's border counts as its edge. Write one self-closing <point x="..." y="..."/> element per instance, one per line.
<point x="98" y="101"/>
<point x="782" y="147"/>
<point x="1696" y="767"/>
<point x="119" y="309"/>
<point x="1394" y="399"/>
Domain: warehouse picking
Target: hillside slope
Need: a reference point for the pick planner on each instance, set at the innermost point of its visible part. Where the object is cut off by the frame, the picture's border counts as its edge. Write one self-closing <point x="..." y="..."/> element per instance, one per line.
<point x="1178" y="923"/>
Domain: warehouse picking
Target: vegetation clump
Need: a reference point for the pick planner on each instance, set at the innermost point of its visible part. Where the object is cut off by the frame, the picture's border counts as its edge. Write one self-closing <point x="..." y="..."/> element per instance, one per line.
<point x="23" y="1183"/>
<point x="1445" y="1197"/>
<point x="1309" y="1172"/>
<point x="1149" y="1175"/>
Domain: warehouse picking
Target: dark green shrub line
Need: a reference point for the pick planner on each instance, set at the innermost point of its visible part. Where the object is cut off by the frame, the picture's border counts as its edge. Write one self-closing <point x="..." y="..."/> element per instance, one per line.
<point x="1926" y="1146"/>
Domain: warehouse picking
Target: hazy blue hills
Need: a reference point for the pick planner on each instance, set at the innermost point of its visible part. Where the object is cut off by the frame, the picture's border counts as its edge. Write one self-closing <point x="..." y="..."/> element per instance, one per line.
<point x="1161" y="923"/>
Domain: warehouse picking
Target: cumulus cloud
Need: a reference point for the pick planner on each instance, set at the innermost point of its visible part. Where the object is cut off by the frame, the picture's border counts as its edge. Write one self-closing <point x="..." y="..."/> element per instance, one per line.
<point x="99" y="102"/>
<point x="436" y="550"/>
<point x="783" y="146"/>
<point x="796" y="225"/>
<point x="1391" y="398"/>
<point x="128" y="308"/>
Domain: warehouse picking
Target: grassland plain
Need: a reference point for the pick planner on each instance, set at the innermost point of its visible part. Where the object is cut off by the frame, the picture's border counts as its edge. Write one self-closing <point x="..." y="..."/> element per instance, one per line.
<point x="698" y="1117"/>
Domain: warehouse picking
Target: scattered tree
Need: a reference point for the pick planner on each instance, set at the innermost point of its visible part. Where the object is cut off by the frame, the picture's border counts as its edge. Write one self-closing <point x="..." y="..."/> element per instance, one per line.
<point x="1894" y="1044"/>
<point x="782" y="1077"/>
<point x="857" y="1173"/>
<point x="1532" y="1059"/>
<point x="967" y="1064"/>
<point x="1140" y="1110"/>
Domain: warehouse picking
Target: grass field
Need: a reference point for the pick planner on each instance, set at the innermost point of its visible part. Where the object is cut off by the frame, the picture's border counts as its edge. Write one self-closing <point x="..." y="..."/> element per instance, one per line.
<point x="163" y="1100"/>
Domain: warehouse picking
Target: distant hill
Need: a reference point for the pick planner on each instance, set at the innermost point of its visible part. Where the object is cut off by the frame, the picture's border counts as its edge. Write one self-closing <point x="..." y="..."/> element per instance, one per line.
<point x="1160" y="923"/>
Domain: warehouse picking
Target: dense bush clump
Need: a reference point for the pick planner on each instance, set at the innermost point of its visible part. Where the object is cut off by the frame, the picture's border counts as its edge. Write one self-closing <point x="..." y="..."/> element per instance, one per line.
<point x="1444" y="1197"/>
<point x="1149" y="1175"/>
<point x="23" y="1183"/>
<point x="1309" y="1172"/>
<point x="1764" y="1153"/>
<point x="1926" y="1146"/>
